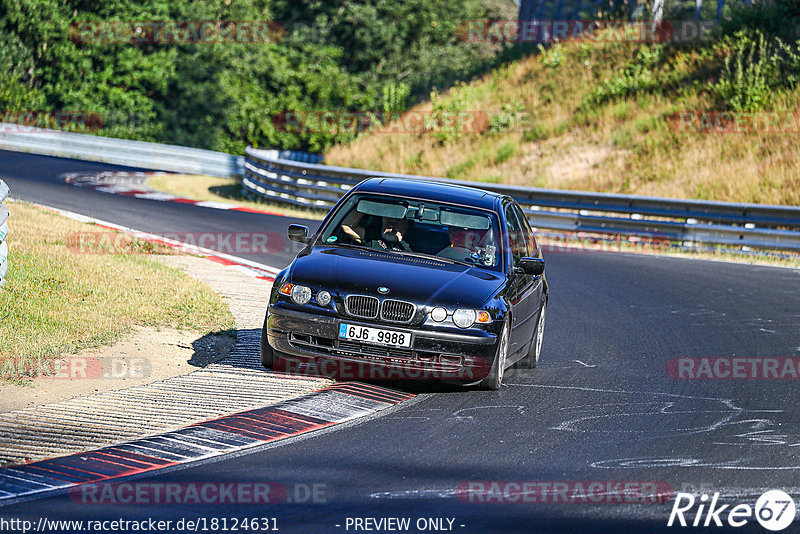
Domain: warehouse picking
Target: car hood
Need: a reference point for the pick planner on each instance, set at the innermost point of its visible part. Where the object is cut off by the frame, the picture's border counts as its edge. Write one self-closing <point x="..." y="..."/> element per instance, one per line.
<point x="418" y="280"/>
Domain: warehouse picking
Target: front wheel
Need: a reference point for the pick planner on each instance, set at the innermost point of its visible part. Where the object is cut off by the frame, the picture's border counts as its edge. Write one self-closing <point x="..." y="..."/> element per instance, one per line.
<point x="495" y="378"/>
<point x="531" y="359"/>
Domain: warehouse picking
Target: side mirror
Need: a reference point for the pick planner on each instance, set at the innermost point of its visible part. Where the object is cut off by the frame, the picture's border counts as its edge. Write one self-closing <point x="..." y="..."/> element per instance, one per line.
<point x="298" y="233"/>
<point x="532" y="266"/>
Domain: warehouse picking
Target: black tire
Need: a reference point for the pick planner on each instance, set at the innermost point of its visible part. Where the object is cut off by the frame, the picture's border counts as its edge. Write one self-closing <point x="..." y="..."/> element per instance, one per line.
<point x="267" y="354"/>
<point x="531" y="359"/>
<point x="495" y="377"/>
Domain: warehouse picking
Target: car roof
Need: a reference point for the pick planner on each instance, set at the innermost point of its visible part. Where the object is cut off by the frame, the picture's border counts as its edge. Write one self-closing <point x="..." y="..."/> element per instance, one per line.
<point x="430" y="190"/>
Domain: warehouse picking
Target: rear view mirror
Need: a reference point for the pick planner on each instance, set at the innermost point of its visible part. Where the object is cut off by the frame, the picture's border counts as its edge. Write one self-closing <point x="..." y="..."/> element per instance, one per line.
<point x="532" y="266"/>
<point x="298" y="233"/>
<point x="382" y="209"/>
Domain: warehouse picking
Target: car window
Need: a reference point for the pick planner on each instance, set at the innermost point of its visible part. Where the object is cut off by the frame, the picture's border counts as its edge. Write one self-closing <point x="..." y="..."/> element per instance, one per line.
<point x="533" y="246"/>
<point x="516" y="235"/>
<point x="391" y="224"/>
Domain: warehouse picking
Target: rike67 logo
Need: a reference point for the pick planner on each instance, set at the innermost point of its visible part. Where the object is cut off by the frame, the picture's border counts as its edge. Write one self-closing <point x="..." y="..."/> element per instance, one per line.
<point x="774" y="510"/>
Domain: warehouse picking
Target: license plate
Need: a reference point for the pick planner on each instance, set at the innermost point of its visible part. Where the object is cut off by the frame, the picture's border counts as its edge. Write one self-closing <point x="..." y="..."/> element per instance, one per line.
<point x="379" y="336"/>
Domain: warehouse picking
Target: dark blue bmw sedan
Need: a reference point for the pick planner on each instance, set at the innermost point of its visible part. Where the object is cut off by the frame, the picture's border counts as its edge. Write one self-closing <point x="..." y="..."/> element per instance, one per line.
<point x="410" y="279"/>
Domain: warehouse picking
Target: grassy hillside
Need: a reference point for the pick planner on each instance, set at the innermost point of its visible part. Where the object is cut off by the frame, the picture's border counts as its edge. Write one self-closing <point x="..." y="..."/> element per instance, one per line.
<point x="61" y="298"/>
<point x="601" y="116"/>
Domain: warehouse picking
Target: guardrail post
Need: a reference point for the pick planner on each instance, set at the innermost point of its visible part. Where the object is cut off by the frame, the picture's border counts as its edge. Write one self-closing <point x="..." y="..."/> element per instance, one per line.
<point x="3" y="232"/>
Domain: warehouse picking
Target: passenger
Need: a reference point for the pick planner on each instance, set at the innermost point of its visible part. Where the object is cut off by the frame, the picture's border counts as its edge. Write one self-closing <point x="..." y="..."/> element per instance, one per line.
<point x="351" y="227"/>
<point x="392" y="235"/>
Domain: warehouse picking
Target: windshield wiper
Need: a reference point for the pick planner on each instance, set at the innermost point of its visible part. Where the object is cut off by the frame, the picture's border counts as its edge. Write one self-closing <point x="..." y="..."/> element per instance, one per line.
<point x="431" y="257"/>
<point x="346" y="245"/>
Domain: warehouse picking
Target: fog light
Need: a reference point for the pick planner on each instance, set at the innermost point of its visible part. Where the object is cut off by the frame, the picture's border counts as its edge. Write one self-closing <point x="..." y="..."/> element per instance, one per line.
<point x="323" y="298"/>
<point x="438" y="314"/>
<point x="301" y="294"/>
<point x="464" y="318"/>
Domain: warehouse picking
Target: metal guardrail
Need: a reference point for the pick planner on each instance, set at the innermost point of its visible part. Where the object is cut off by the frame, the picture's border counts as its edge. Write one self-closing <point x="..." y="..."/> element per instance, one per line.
<point x="118" y="151"/>
<point x="294" y="155"/>
<point x="3" y="232"/>
<point x="298" y="179"/>
<point x="311" y="185"/>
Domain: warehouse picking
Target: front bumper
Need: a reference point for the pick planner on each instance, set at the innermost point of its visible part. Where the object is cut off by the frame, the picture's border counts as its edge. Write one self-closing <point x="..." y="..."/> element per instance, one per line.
<point x="311" y="341"/>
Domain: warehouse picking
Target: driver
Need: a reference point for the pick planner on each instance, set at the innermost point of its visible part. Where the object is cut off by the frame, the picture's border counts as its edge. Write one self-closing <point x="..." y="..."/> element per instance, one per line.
<point x="392" y="235"/>
<point x="464" y="245"/>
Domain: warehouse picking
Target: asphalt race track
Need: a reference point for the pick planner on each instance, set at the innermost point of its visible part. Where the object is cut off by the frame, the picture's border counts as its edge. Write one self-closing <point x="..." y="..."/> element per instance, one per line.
<point x="602" y="406"/>
<point x="38" y="179"/>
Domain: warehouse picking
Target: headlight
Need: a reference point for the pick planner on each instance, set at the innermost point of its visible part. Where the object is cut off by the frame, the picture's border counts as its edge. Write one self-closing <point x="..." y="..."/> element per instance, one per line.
<point x="464" y="318"/>
<point x="301" y="294"/>
<point x="323" y="298"/>
<point x="438" y="314"/>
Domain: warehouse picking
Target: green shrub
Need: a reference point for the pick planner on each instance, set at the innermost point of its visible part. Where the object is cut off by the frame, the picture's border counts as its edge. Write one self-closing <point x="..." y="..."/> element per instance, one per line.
<point x="415" y="161"/>
<point x="444" y="130"/>
<point x="460" y="169"/>
<point x="636" y="76"/>
<point x="622" y="110"/>
<point x="505" y="152"/>
<point x="755" y="66"/>
<point x="647" y="123"/>
<point x="537" y="132"/>
<point x="551" y="57"/>
<point x="622" y="137"/>
<point x="395" y="97"/>
<point x="508" y="118"/>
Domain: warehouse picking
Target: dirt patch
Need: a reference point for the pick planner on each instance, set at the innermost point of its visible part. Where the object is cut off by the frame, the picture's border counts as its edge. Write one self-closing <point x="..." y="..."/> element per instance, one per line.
<point x="576" y="165"/>
<point x="147" y="355"/>
<point x="561" y="163"/>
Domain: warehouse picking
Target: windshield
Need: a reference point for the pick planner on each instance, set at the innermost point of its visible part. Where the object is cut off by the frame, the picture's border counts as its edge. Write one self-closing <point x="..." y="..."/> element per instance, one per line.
<point x="389" y="224"/>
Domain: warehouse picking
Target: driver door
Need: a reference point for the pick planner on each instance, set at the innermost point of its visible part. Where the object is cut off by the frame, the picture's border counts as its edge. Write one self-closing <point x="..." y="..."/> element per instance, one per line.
<point x="522" y="294"/>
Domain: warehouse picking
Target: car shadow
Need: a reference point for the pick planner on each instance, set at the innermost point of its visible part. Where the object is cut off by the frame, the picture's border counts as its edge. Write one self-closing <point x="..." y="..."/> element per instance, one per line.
<point x="213" y="347"/>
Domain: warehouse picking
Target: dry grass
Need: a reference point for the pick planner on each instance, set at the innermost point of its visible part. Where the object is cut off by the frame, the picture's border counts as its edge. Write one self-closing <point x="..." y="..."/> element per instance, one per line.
<point x="227" y="190"/>
<point x="58" y="301"/>
<point x="623" y="145"/>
